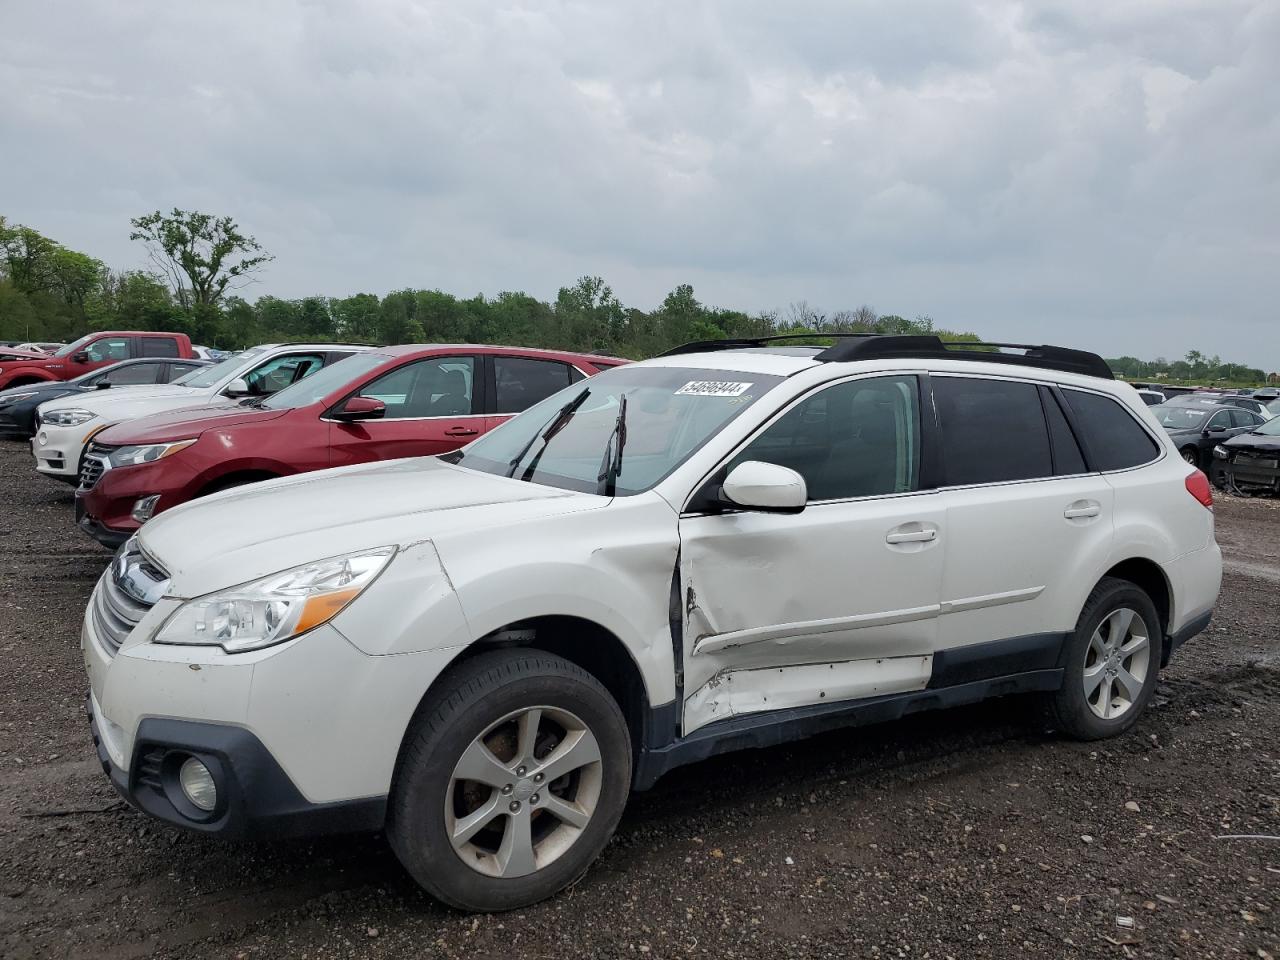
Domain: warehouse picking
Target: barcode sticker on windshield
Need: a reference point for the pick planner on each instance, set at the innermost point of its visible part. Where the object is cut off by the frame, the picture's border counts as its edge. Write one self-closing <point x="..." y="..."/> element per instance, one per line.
<point x="713" y="388"/>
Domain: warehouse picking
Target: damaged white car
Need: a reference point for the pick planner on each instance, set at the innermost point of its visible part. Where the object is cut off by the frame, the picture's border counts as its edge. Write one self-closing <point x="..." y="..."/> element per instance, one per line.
<point x="730" y="546"/>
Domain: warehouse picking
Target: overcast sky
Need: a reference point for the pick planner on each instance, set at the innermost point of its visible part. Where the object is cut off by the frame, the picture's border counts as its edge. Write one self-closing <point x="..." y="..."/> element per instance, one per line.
<point x="1105" y="175"/>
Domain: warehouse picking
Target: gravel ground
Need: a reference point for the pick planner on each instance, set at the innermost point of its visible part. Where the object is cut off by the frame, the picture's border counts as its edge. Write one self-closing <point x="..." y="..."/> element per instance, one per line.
<point x="960" y="834"/>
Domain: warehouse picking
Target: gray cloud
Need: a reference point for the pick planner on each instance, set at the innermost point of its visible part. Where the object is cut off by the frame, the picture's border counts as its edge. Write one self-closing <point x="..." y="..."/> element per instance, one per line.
<point x="1103" y="176"/>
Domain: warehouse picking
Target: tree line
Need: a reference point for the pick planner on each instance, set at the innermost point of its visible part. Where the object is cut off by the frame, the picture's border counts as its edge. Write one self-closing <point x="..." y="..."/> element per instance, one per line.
<point x="1196" y="367"/>
<point x="201" y="262"/>
<point x="49" y="292"/>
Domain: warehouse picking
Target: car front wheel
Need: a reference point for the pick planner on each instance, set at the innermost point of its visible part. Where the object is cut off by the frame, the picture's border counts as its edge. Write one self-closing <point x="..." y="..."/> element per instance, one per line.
<point x="511" y="782"/>
<point x="1191" y="455"/>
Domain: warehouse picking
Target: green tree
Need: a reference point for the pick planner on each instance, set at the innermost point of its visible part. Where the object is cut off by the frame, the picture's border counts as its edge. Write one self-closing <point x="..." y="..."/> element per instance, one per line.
<point x="201" y="254"/>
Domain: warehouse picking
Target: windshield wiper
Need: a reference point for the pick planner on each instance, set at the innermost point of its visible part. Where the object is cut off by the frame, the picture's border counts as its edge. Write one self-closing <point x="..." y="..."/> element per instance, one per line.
<point x="554" y="426"/>
<point x="611" y="466"/>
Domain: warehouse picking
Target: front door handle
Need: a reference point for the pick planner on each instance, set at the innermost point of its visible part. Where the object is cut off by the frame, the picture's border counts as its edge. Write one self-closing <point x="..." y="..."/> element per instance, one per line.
<point x="924" y="535"/>
<point x="1082" y="510"/>
<point x="461" y="432"/>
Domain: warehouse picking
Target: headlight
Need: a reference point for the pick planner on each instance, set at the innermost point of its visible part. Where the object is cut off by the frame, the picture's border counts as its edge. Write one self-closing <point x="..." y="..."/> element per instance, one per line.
<point x="71" y="417"/>
<point x="275" y="608"/>
<point x="146" y="453"/>
<point x="1221" y="452"/>
<point x="6" y="399"/>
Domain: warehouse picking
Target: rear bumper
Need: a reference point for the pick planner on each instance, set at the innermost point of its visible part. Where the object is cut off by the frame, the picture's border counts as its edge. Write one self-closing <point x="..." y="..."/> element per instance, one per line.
<point x="255" y="796"/>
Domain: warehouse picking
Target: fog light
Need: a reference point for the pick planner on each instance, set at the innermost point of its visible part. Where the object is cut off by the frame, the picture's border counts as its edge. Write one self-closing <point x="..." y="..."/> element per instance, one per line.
<point x="197" y="784"/>
<point x="145" y="507"/>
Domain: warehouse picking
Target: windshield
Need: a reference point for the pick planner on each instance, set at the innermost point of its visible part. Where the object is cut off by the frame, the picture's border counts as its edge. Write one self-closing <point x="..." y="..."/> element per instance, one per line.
<point x="73" y="346"/>
<point x="1269" y="429"/>
<point x="1179" y="417"/>
<point x="208" y="376"/>
<point x="1273" y="404"/>
<point x="322" y="383"/>
<point x="670" y="413"/>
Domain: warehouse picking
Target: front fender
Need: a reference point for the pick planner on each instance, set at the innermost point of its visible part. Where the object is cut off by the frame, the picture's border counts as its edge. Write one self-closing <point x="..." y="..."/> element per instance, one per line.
<point x="611" y="567"/>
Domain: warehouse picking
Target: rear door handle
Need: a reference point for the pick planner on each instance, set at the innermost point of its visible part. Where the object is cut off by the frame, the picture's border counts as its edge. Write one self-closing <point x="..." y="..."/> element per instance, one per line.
<point x="927" y="535"/>
<point x="461" y="432"/>
<point x="1082" y="510"/>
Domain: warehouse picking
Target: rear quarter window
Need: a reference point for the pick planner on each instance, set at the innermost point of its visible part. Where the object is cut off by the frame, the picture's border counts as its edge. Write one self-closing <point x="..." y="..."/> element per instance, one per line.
<point x="1115" y="439"/>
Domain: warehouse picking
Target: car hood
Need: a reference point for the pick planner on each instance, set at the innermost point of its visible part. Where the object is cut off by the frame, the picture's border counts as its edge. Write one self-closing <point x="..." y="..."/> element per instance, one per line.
<point x="9" y="355"/>
<point x="248" y="532"/>
<point x="46" y="390"/>
<point x="116" y="404"/>
<point x="1255" y="441"/>
<point x="183" y="424"/>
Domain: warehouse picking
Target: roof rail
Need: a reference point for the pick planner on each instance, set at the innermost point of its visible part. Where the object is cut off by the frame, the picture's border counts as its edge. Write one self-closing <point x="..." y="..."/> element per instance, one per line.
<point x="740" y="343"/>
<point x="874" y="346"/>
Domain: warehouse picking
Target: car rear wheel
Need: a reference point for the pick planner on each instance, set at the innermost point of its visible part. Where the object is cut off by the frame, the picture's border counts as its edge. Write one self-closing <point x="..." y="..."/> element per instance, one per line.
<point x="1112" y="661"/>
<point x="511" y="781"/>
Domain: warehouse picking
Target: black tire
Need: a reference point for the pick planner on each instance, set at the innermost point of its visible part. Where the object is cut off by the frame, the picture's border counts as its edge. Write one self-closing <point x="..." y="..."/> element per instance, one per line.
<point x="1068" y="709"/>
<point x="1191" y="455"/>
<point x="465" y="703"/>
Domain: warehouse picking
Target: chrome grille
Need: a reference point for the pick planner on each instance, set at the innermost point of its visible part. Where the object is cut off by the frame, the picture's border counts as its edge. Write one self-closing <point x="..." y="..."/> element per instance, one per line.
<point x="128" y="589"/>
<point x="93" y="465"/>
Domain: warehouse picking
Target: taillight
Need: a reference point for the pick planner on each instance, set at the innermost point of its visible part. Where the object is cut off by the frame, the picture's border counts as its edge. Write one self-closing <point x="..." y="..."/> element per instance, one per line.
<point x="1198" y="487"/>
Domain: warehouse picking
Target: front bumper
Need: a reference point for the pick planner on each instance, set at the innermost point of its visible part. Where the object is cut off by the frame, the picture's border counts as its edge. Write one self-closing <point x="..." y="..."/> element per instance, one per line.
<point x="107" y="536"/>
<point x="302" y="737"/>
<point x="58" y="449"/>
<point x="255" y="798"/>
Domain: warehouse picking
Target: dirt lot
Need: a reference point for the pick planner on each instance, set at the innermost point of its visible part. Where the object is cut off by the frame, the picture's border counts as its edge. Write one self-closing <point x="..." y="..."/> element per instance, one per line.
<point x="963" y="834"/>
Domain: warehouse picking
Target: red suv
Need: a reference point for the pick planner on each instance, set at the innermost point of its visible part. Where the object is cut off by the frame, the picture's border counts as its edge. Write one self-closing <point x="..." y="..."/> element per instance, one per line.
<point x="90" y="352"/>
<point x="406" y="401"/>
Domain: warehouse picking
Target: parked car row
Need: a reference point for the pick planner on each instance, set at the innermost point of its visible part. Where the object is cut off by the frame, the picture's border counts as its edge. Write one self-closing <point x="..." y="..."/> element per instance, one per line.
<point x="482" y="651"/>
<point x="186" y="428"/>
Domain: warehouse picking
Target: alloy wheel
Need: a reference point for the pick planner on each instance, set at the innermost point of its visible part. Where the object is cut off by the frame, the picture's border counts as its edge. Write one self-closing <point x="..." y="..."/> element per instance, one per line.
<point x="523" y="791"/>
<point x="1116" y="663"/>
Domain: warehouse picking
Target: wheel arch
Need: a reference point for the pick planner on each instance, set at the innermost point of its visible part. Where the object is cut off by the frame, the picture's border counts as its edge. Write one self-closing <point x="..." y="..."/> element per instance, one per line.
<point x="233" y="477"/>
<point x="583" y="642"/>
<point x="1149" y="577"/>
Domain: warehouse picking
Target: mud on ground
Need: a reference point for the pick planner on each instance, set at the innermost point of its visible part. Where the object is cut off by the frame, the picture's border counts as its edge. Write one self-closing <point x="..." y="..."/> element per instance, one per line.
<point x="961" y="834"/>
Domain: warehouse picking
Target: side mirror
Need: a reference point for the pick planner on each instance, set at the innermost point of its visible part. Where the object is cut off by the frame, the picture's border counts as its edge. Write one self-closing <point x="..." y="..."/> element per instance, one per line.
<point x="756" y="485"/>
<point x="360" y="408"/>
<point x="237" y="388"/>
<point x="81" y="357"/>
<point x="1215" y="430"/>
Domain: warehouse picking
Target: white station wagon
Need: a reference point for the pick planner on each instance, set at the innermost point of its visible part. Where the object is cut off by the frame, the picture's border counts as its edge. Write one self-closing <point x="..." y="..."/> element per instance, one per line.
<point x="729" y="546"/>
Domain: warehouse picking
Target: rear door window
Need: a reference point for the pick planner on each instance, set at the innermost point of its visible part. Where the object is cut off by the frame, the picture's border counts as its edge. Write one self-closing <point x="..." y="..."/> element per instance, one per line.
<point x="993" y="431"/>
<point x="177" y="370"/>
<point x="158" y="347"/>
<point x="1115" y="439"/>
<point x="520" y="382"/>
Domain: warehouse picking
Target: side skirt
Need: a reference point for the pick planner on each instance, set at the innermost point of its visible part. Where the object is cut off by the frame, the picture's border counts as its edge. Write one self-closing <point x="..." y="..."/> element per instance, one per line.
<point x="782" y="726"/>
